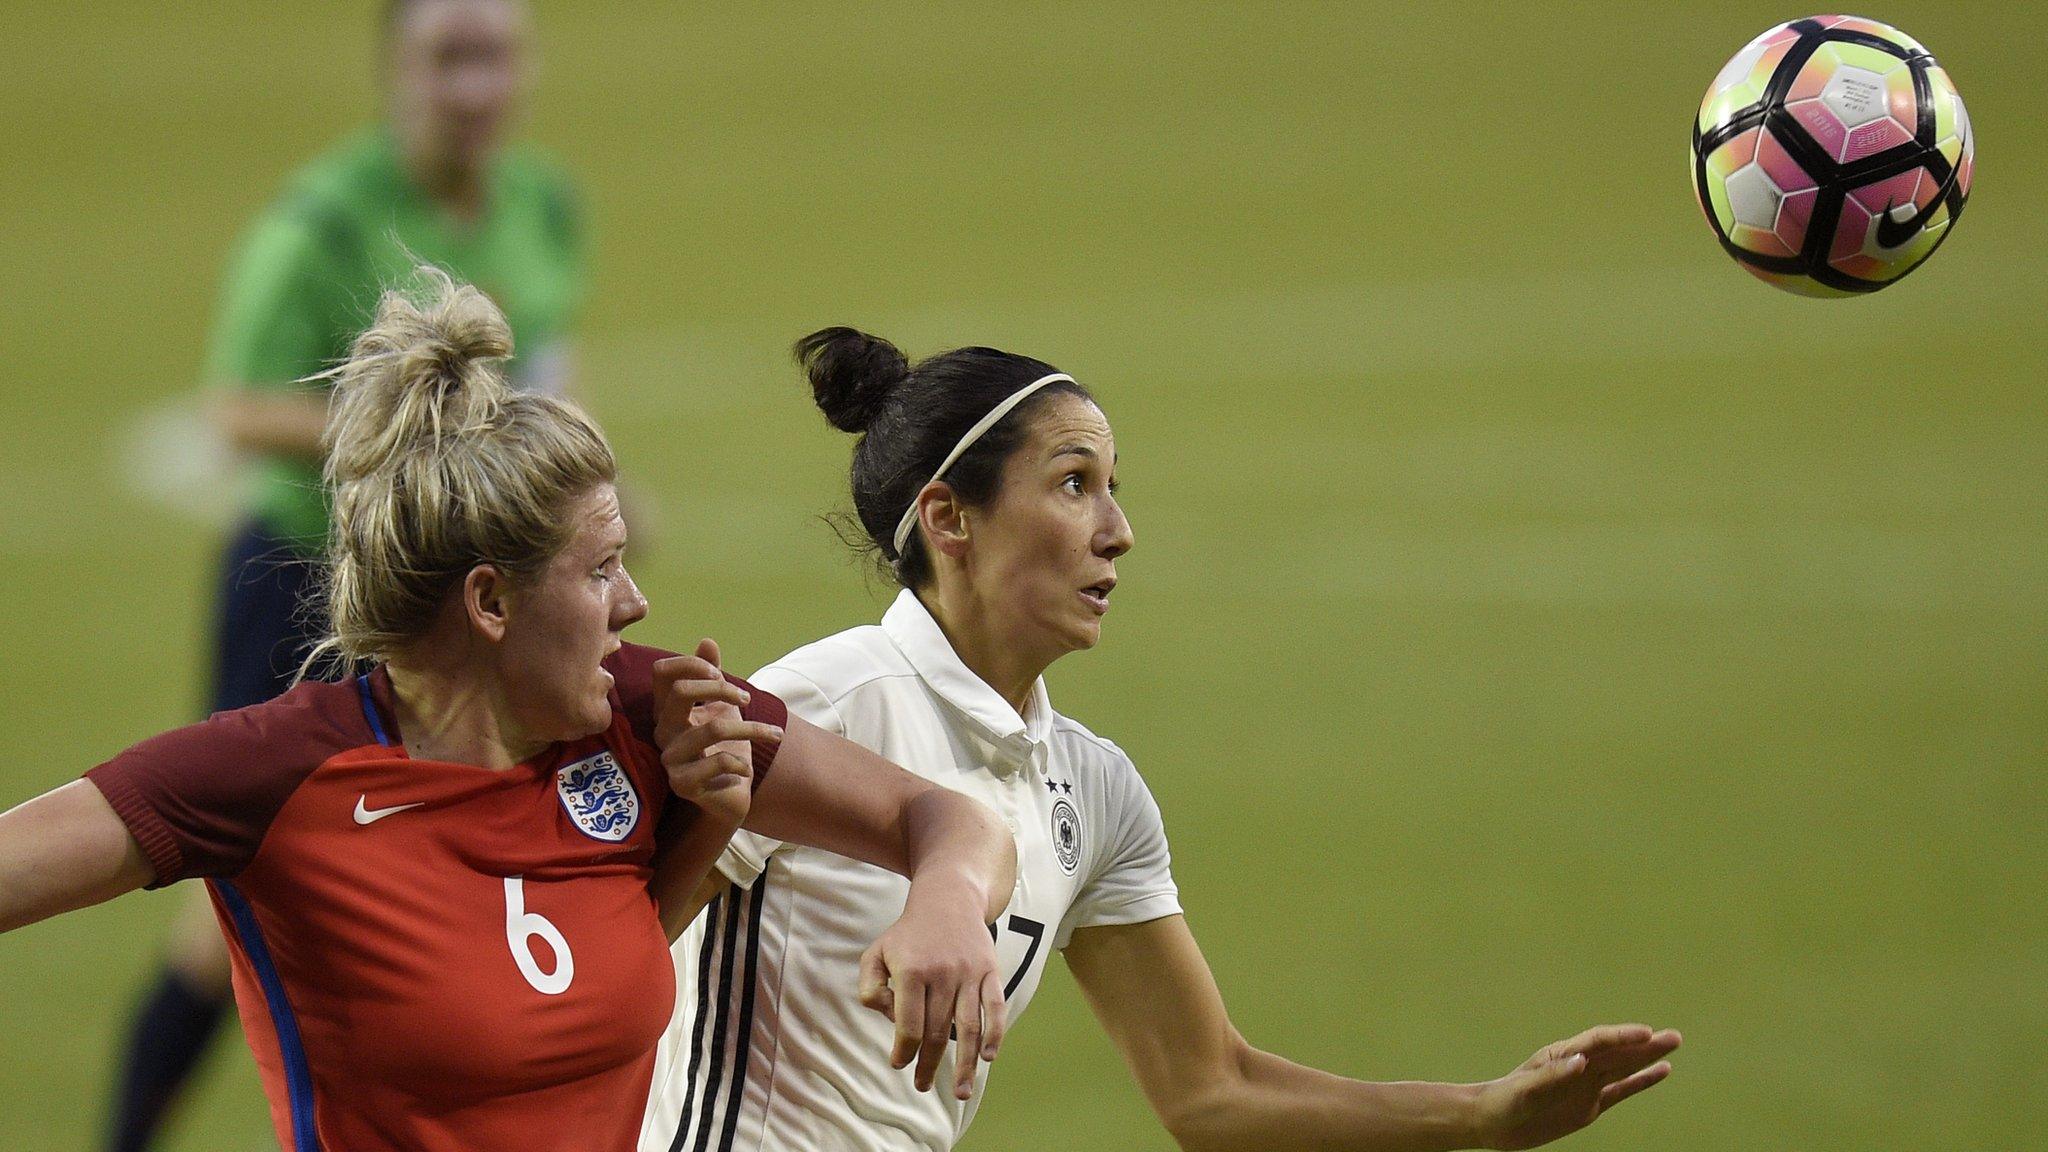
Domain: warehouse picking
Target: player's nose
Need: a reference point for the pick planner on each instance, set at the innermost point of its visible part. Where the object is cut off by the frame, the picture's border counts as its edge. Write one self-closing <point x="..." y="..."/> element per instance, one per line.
<point x="1116" y="536"/>
<point x="631" y="606"/>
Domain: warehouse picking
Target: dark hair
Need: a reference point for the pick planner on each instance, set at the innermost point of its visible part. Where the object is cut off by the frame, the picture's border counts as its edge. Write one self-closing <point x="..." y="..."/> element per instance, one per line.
<point x="909" y="418"/>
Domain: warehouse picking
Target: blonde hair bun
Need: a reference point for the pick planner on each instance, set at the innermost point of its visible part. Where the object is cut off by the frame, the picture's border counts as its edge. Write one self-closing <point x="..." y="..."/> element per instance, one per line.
<point x="429" y="367"/>
<point x="436" y="465"/>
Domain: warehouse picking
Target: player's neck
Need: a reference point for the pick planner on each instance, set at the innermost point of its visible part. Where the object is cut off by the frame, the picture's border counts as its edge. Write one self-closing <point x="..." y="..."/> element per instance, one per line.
<point x="456" y="187"/>
<point x="452" y="715"/>
<point x="975" y="632"/>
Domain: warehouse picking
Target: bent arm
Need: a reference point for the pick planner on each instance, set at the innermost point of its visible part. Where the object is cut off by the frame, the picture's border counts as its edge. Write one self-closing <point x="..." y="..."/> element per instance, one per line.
<point x="827" y="792"/>
<point x="1155" y="996"/>
<point x="64" y="850"/>
<point x="934" y="972"/>
<point x="273" y="423"/>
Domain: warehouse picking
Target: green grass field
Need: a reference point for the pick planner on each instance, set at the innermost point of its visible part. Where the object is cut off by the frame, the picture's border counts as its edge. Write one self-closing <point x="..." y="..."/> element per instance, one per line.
<point x="1534" y="620"/>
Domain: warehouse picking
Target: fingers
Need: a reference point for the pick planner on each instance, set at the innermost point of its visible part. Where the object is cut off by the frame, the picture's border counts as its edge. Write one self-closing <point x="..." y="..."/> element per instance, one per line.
<point x="702" y="736"/>
<point x="671" y="669"/>
<point x="874" y="983"/>
<point x="931" y="1047"/>
<point x="682" y="684"/>
<point x="1621" y="1090"/>
<point x="714" y="755"/>
<point x="1592" y="1040"/>
<point x="940" y="984"/>
<point x="995" y="1015"/>
<point x="1624" y="1059"/>
<point x="978" y="1026"/>
<point x="705" y="665"/>
<point x="698" y="781"/>
<point x="924" y="1018"/>
<point x="909" y="995"/>
<point x="967" y="1040"/>
<point x="707" y="651"/>
<point x="688" y="680"/>
<point x="1561" y="1069"/>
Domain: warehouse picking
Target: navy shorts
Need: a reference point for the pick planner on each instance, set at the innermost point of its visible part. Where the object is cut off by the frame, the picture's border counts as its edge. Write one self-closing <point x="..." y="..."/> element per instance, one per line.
<point x="265" y="623"/>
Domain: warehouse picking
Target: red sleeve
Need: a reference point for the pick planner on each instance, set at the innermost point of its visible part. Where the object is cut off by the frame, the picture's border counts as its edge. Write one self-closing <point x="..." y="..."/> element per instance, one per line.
<point x="200" y="799"/>
<point x="632" y="669"/>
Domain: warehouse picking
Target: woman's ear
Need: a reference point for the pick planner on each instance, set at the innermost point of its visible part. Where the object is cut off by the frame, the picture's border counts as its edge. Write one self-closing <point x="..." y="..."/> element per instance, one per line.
<point x="483" y="601"/>
<point x="944" y="519"/>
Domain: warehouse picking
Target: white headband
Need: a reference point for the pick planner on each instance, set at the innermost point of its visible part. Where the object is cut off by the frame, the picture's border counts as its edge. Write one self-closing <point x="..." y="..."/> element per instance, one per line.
<point x="979" y="430"/>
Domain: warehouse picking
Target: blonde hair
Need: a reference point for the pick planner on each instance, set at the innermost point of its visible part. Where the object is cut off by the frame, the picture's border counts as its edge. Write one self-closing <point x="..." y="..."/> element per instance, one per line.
<point x="435" y="465"/>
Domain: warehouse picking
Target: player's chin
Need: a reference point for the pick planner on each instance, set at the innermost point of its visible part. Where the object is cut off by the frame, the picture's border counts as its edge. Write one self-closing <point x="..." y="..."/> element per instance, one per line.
<point x="1084" y="632"/>
<point x="589" y="713"/>
<point x="597" y="703"/>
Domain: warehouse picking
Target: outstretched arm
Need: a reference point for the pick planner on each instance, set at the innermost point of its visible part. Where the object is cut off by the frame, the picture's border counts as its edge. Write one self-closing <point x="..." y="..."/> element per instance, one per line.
<point x="64" y="850"/>
<point x="1154" y="994"/>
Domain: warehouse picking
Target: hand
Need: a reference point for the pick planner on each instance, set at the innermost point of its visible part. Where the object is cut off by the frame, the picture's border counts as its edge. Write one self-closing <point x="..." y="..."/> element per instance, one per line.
<point x="706" y="746"/>
<point x="1567" y="1085"/>
<point x="934" y="973"/>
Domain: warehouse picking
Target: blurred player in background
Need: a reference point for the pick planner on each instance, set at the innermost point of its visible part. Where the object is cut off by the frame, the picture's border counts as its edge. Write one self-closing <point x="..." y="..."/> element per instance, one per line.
<point x="434" y="182"/>
<point x="449" y="883"/>
<point x="986" y="482"/>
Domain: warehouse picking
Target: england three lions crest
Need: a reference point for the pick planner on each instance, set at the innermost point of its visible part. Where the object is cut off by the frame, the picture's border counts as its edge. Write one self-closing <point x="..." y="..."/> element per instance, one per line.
<point x="599" y="797"/>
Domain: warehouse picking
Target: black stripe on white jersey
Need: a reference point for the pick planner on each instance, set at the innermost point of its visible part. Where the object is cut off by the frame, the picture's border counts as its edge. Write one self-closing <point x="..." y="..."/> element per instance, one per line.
<point x="714" y="1069"/>
<point x="738" y="923"/>
<point x="744" y="1035"/>
<point x="712" y="916"/>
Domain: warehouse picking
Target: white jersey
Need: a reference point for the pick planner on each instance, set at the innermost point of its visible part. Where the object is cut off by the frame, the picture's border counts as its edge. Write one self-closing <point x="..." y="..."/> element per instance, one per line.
<point x="770" y="1050"/>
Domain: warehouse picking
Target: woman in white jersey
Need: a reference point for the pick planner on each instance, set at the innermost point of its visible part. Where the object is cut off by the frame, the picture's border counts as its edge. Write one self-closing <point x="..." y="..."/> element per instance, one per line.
<point x="986" y="482"/>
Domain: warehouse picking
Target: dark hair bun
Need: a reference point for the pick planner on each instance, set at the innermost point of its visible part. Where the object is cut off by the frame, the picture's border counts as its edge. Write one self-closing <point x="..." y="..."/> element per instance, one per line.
<point x="852" y="374"/>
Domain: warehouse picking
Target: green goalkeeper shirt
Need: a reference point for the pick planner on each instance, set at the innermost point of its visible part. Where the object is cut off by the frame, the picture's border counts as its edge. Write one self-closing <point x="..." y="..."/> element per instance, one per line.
<point x="352" y="223"/>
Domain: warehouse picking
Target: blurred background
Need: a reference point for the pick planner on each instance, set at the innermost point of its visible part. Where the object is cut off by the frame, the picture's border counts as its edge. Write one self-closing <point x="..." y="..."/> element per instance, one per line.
<point x="1535" y="620"/>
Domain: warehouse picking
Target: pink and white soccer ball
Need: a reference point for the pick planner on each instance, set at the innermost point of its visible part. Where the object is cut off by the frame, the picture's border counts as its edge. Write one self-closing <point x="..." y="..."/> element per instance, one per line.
<point x="1832" y="156"/>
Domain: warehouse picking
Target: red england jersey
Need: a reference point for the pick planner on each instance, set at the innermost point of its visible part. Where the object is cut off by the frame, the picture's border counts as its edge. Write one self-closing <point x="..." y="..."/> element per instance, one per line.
<point x="427" y="956"/>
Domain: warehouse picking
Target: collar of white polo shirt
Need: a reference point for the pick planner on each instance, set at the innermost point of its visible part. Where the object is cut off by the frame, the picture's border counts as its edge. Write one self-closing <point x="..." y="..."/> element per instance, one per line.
<point x="911" y="627"/>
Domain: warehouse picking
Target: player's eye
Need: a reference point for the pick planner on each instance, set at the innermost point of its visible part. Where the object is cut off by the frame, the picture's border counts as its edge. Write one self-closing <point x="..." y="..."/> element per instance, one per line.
<point x="1074" y="482"/>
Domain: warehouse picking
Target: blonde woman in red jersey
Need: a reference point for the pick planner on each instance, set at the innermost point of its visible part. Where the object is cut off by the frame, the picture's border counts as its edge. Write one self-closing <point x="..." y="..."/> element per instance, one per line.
<point x="445" y="882"/>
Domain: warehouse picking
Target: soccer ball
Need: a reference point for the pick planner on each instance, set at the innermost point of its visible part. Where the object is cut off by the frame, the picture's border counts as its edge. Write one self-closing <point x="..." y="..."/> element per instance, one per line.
<point x="1832" y="156"/>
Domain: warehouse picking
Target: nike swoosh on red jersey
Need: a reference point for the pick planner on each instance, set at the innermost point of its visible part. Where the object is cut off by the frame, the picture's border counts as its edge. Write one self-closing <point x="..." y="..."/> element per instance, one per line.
<point x="365" y="815"/>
